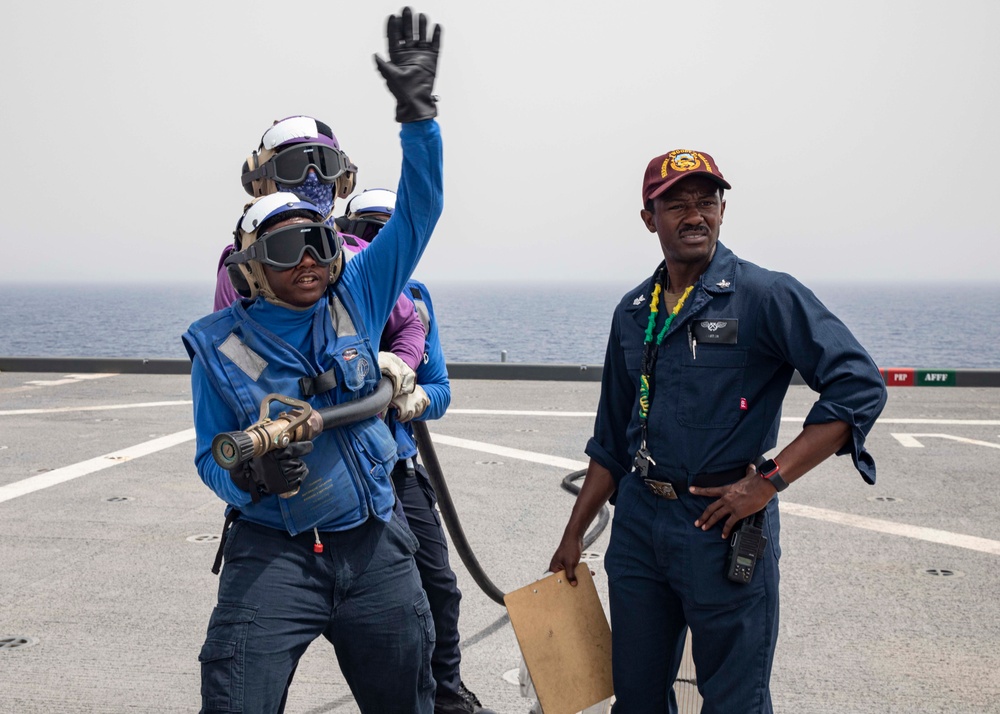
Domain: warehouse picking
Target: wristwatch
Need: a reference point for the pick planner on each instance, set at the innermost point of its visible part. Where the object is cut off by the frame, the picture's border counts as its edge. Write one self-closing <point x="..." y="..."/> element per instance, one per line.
<point x="770" y="470"/>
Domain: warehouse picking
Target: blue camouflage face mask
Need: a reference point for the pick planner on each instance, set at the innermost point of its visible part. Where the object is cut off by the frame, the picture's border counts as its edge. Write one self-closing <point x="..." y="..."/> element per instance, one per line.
<point x="313" y="191"/>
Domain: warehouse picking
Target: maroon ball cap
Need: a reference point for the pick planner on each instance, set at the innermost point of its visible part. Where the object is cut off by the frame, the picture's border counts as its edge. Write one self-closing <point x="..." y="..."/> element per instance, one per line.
<point x="664" y="171"/>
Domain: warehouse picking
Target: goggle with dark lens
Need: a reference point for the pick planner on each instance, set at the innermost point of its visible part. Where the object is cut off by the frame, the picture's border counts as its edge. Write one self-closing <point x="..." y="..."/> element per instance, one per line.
<point x="283" y="249"/>
<point x="291" y="166"/>
<point x="363" y="227"/>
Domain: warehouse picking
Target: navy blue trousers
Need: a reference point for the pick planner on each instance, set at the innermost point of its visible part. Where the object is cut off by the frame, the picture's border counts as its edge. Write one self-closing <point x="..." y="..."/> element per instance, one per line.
<point x="276" y="595"/>
<point x="414" y="491"/>
<point x="666" y="576"/>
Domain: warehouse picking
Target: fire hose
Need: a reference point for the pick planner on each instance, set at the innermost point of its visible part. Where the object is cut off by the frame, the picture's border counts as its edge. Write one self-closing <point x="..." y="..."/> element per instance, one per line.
<point x="234" y="448"/>
<point x="450" y="516"/>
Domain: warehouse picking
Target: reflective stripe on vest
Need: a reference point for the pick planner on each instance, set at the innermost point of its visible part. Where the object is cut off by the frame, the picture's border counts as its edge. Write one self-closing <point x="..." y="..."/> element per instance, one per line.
<point x="421" y="306"/>
<point x="243" y="357"/>
<point x="343" y="325"/>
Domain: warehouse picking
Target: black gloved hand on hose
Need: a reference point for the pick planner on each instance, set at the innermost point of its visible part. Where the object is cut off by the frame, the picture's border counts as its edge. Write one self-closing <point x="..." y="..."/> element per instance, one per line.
<point x="412" y="66"/>
<point x="276" y="472"/>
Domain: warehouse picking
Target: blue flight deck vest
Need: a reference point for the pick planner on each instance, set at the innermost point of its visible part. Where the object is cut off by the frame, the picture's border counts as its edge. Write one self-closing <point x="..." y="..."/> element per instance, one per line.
<point x="406" y="445"/>
<point x="348" y="469"/>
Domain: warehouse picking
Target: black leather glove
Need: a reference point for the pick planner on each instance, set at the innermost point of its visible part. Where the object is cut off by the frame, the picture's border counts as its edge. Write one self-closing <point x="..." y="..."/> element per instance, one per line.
<point x="411" y="68"/>
<point x="277" y="472"/>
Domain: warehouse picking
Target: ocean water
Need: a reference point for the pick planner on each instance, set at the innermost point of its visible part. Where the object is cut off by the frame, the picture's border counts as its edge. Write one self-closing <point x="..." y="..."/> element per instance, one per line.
<point x="901" y="325"/>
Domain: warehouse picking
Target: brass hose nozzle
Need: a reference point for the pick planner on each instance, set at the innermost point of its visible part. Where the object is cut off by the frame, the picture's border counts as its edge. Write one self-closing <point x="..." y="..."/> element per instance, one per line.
<point x="232" y="449"/>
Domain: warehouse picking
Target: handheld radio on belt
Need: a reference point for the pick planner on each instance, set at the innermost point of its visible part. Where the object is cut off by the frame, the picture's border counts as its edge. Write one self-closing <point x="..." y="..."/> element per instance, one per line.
<point x="747" y="546"/>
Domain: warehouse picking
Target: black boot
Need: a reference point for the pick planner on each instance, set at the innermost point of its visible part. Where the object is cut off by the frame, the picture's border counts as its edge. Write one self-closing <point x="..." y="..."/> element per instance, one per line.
<point x="461" y="702"/>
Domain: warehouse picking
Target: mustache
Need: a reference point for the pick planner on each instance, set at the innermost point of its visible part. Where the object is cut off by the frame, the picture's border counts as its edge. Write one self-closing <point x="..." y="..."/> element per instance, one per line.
<point x="694" y="230"/>
<point x="307" y="272"/>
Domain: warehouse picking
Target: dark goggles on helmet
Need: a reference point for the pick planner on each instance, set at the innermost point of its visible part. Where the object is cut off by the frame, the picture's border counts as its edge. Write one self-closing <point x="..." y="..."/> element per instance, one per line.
<point x="283" y="249"/>
<point x="291" y="165"/>
<point x="364" y="227"/>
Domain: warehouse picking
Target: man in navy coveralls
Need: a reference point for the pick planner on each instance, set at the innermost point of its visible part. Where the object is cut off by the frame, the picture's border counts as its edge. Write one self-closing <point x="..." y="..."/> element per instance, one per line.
<point x="698" y="362"/>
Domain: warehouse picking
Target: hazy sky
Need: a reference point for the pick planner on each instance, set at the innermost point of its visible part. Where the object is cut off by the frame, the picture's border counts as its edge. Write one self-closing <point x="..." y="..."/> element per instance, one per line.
<point x="860" y="136"/>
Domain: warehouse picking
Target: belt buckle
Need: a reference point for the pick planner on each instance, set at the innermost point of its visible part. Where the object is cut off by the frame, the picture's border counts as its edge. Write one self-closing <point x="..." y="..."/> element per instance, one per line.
<point x="663" y="489"/>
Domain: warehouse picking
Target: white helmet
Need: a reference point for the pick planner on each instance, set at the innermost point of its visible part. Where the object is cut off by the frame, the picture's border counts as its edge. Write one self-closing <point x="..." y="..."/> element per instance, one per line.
<point x="372" y="200"/>
<point x="258" y="180"/>
<point x="367" y="212"/>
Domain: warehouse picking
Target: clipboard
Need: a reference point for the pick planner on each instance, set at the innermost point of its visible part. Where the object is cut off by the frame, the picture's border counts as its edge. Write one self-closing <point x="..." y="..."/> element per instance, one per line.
<point x="565" y="640"/>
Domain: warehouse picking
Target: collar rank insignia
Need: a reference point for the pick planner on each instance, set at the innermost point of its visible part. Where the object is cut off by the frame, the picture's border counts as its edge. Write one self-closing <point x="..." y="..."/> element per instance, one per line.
<point x="723" y="283"/>
<point x="639" y="300"/>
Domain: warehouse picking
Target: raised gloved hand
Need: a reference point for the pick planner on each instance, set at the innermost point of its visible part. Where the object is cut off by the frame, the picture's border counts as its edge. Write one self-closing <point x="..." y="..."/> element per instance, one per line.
<point x="279" y="471"/>
<point x="412" y="66"/>
<point x="412" y="405"/>
<point x="403" y="378"/>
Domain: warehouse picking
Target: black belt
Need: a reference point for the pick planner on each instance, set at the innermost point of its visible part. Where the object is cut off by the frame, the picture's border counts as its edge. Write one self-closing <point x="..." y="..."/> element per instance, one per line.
<point x="660" y="483"/>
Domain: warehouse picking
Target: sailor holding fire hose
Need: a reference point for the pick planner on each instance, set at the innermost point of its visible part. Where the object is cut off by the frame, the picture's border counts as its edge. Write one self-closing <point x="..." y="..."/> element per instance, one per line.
<point x="319" y="562"/>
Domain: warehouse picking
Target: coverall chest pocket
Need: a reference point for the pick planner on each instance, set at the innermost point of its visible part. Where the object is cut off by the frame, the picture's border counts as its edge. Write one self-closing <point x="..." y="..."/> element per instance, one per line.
<point x="710" y="387"/>
<point x="355" y="367"/>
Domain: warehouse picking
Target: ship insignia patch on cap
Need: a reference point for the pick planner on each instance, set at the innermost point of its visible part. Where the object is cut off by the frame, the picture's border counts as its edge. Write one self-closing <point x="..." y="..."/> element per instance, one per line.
<point x="682" y="160"/>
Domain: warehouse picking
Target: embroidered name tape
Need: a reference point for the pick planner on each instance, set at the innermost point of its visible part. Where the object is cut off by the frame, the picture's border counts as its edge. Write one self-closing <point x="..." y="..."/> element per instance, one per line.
<point x="717" y="331"/>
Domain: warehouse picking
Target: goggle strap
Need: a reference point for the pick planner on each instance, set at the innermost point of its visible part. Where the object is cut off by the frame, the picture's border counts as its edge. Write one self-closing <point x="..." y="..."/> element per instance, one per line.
<point x="254" y="174"/>
<point x="237" y="257"/>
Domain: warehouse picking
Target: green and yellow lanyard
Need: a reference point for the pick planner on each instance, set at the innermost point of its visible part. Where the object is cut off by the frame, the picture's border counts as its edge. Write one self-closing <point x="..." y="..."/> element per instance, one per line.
<point x="650" y="348"/>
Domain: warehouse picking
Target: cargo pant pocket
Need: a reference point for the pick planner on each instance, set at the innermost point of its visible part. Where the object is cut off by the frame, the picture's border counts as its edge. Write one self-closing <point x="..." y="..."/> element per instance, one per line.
<point x="429" y="636"/>
<point x="222" y="657"/>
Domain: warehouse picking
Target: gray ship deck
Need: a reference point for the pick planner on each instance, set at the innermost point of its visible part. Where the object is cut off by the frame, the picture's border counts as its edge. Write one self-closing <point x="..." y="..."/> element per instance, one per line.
<point x="889" y="593"/>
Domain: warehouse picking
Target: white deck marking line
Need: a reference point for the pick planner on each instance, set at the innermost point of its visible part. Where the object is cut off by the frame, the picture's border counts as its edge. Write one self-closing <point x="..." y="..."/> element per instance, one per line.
<point x="70" y="379"/>
<point x="68" y="473"/>
<point x="486" y="412"/>
<point x="931" y="535"/>
<point x="959" y="422"/>
<point x="516" y="412"/>
<point x="61" y="410"/>
<point x="911" y="440"/>
<point x="533" y="456"/>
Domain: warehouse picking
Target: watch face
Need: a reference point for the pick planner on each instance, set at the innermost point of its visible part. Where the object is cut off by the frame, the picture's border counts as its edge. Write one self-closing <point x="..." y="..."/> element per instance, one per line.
<point x="769" y="470"/>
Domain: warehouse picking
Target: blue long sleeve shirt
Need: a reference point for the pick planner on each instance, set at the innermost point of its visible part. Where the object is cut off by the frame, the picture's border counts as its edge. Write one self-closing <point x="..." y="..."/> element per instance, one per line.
<point x="374" y="278"/>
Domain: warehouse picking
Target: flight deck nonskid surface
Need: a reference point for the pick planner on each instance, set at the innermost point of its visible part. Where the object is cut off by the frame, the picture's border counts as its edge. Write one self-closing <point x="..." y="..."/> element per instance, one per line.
<point x="107" y="536"/>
